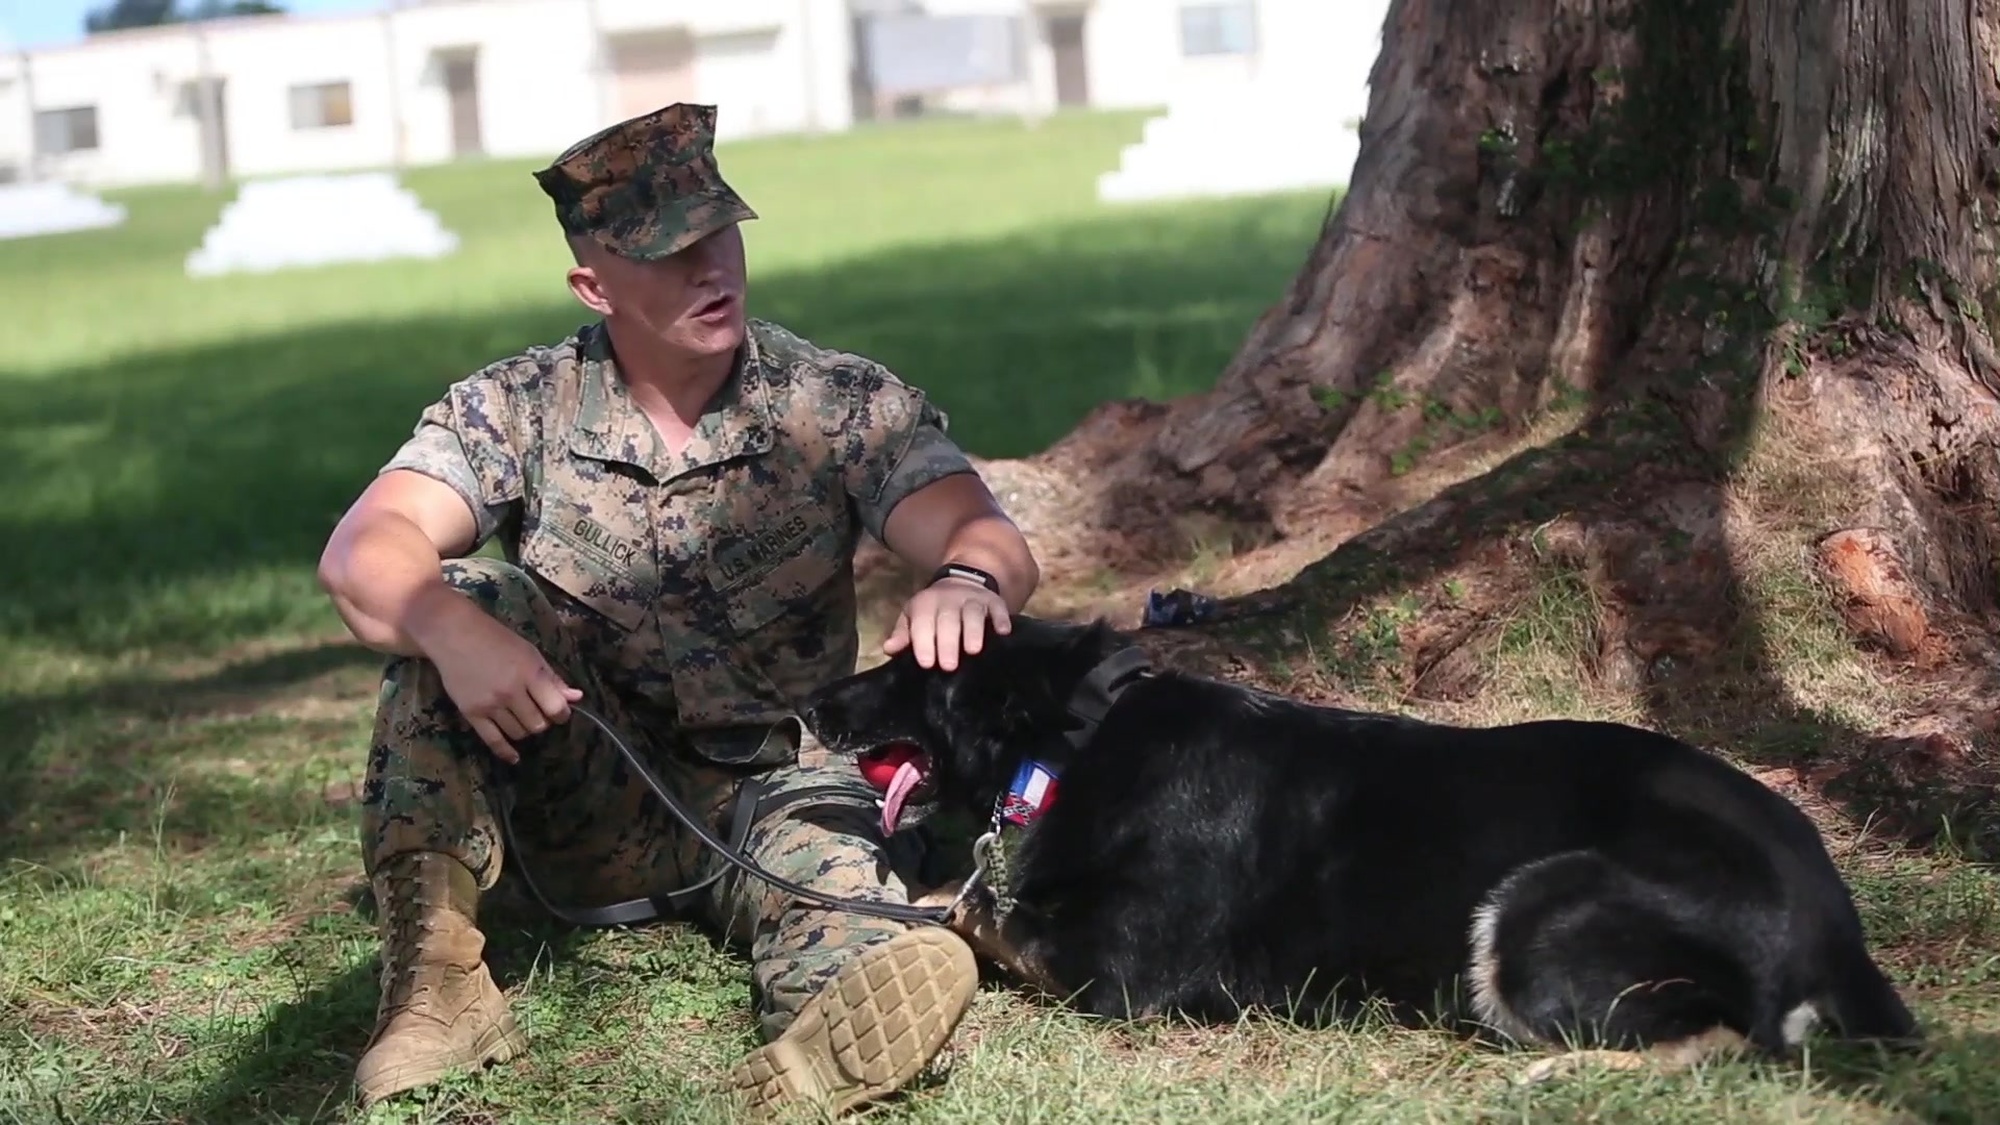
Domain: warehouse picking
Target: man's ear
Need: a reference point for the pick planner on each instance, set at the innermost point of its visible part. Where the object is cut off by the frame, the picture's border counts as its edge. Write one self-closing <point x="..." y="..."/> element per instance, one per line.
<point x="585" y="287"/>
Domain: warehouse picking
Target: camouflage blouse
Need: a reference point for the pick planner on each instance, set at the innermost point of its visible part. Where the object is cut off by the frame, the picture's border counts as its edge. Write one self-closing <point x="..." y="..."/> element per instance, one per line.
<point x="715" y="588"/>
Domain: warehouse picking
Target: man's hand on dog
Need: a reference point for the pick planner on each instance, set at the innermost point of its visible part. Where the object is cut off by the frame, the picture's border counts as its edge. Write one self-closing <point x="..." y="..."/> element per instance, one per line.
<point x="946" y="618"/>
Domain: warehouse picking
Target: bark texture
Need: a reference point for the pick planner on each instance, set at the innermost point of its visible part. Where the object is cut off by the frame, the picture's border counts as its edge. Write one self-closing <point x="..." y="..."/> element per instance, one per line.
<point x="1566" y="196"/>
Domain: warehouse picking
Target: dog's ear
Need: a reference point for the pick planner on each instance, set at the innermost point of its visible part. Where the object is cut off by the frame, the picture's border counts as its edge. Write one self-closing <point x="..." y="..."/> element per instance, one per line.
<point x="1091" y="646"/>
<point x="1044" y="693"/>
<point x="1039" y="698"/>
<point x="1028" y="679"/>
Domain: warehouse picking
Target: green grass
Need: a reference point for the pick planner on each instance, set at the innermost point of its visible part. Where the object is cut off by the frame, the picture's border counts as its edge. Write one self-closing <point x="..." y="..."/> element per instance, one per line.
<point x="179" y="932"/>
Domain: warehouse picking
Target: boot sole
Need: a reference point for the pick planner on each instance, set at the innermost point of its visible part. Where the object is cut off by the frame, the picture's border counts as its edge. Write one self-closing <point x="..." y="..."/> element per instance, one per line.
<point x="501" y="1042"/>
<point x="871" y="1030"/>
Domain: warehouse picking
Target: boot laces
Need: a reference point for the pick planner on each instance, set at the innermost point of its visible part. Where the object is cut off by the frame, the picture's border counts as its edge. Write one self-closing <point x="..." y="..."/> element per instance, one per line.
<point x="408" y="978"/>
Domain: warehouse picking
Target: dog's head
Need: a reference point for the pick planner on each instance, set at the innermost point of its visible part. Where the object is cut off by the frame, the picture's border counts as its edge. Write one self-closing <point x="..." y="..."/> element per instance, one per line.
<point x="928" y="738"/>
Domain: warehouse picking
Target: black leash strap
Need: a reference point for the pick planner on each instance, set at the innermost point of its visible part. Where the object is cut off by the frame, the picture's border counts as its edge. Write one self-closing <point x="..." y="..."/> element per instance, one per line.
<point x="751" y="806"/>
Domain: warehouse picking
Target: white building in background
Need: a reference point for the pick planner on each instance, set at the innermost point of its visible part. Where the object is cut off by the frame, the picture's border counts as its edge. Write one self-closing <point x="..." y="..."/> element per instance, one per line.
<point x="426" y="81"/>
<point x="1292" y="117"/>
<point x="418" y="83"/>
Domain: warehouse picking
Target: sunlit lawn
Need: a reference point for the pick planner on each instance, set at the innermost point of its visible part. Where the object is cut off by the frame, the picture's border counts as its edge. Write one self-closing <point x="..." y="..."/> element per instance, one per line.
<point x="178" y="940"/>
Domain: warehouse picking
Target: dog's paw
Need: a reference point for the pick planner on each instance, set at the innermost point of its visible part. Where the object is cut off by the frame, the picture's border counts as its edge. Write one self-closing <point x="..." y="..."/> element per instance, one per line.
<point x="1669" y="1057"/>
<point x="1541" y="1070"/>
<point x="1557" y="1066"/>
<point x="942" y="896"/>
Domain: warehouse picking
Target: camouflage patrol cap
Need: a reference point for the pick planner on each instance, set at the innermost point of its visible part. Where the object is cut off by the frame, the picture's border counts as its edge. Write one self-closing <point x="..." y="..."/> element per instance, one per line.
<point x="647" y="187"/>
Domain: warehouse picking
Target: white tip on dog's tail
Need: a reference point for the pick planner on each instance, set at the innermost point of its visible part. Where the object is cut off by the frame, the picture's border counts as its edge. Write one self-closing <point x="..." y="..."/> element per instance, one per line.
<point x="1859" y="1003"/>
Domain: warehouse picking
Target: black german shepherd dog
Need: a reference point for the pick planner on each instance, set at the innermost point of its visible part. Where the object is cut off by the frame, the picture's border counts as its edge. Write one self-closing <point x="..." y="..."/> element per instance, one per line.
<point x="1198" y="848"/>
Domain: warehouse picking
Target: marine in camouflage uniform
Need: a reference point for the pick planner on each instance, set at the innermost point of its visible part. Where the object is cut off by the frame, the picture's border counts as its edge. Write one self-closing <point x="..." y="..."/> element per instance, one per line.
<point x="693" y="598"/>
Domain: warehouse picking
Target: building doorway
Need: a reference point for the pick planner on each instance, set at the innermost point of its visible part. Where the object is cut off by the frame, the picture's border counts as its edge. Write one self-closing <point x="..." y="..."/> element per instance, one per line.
<point x="461" y="88"/>
<point x="652" y="69"/>
<point x="1072" y="63"/>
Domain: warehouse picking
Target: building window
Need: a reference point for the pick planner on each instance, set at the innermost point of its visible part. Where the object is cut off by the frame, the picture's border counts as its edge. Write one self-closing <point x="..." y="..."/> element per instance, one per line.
<point x="66" y="130"/>
<point x="1219" y="29"/>
<point x="323" y="105"/>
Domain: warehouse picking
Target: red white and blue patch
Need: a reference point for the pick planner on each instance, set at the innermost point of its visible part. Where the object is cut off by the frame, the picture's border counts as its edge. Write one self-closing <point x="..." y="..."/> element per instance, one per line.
<point x="1031" y="794"/>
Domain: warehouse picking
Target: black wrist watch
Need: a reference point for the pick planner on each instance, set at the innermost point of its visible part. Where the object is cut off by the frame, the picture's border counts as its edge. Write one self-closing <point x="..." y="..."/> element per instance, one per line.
<point x="968" y="573"/>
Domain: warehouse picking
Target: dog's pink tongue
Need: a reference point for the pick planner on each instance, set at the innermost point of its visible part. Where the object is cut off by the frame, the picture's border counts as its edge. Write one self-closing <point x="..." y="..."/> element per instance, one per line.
<point x="908" y="776"/>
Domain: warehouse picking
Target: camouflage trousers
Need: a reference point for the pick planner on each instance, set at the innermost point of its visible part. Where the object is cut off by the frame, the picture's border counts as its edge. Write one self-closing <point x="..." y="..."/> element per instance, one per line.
<point x="594" y="834"/>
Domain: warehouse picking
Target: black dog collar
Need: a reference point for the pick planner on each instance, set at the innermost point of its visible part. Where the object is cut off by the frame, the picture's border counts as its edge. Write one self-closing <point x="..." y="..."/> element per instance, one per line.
<point x="1101" y="688"/>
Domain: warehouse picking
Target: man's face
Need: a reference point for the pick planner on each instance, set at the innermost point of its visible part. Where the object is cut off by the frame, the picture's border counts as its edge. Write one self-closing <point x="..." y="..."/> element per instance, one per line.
<point x="691" y="302"/>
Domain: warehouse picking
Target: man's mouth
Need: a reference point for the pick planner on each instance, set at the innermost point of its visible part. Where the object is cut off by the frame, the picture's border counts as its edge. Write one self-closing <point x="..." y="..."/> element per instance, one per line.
<point x="715" y="306"/>
<point x="898" y="769"/>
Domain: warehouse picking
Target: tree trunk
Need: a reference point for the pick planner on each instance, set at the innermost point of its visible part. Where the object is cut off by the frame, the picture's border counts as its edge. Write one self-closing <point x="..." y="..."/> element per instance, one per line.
<point x="1704" y="220"/>
<point x="1558" y="197"/>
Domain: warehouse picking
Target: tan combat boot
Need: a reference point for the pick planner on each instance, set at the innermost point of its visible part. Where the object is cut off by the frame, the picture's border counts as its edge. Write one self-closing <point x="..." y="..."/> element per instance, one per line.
<point x="440" y="1010"/>
<point x="869" y="1031"/>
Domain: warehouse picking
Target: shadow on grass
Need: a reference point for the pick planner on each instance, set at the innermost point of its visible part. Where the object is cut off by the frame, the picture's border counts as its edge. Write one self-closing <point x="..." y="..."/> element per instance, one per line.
<point x="298" y="1064"/>
<point x="1954" y="1081"/>
<point x="159" y="697"/>
<point x="86" y="766"/>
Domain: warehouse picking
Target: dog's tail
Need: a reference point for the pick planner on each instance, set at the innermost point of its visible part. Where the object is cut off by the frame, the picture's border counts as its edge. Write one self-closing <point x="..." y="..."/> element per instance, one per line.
<point x="1859" y="1002"/>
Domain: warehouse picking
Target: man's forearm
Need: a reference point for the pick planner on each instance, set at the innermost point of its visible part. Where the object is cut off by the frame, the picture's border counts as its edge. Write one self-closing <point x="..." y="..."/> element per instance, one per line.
<point x="993" y="544"/>
<point x="955" y="519"/>
<point x="386" y="582"/>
